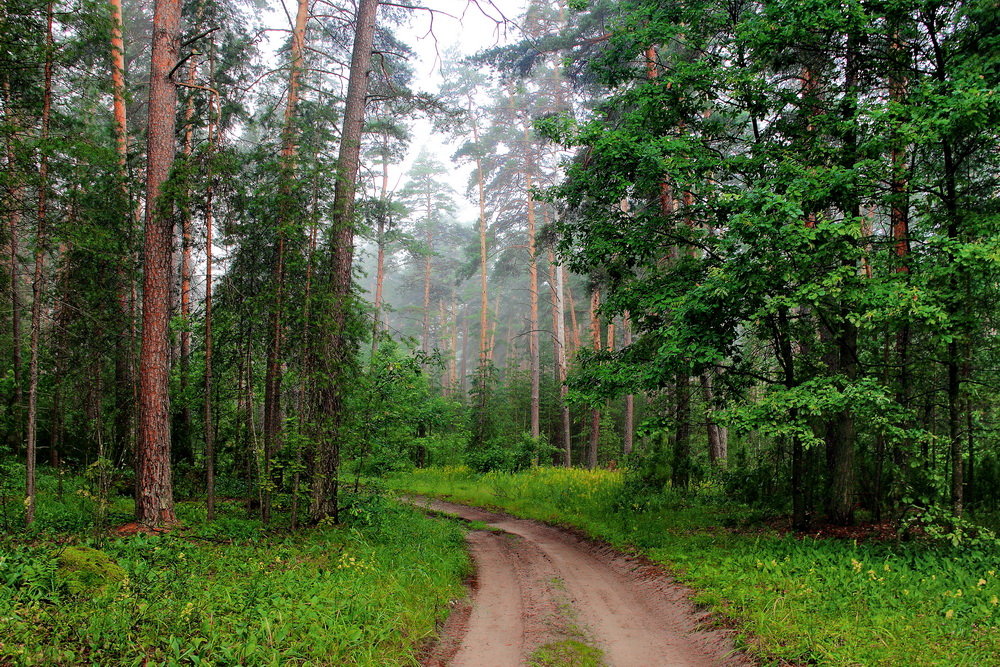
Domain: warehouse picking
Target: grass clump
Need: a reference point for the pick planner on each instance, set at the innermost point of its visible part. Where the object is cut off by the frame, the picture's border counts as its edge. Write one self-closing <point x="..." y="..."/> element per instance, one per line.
<point x="800" y="599"/>
<point x="566" y="653"/>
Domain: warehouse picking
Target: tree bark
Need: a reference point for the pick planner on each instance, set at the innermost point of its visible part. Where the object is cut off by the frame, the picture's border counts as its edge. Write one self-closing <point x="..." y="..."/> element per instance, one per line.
<point x="718" y="436"/>
<point x="628" y="435"/>
<point x="559" y="353"/>
<point x="37" y="281"/>
<point x="595" y="413"/>
<point x="533" y="351"/>
<point x="380" y="243"/>
<point x="209" y="256"/>
<point x="14" y="192"/>
<point x="154" y="490"/>
<point x="339" y="346"/>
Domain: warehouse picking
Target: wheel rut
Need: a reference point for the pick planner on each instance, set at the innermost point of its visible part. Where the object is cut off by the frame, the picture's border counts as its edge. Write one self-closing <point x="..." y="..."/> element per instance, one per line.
<point x="538" y="586"/>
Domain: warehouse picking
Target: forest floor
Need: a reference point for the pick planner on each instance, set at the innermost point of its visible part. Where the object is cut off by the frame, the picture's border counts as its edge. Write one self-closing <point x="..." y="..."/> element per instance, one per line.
<point x="546" y="596"/>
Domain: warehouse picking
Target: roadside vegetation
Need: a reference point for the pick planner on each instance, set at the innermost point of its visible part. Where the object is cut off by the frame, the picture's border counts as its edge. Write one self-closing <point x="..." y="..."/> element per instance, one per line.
<point x="368" y="592"/>
<point x="933" y="599"/>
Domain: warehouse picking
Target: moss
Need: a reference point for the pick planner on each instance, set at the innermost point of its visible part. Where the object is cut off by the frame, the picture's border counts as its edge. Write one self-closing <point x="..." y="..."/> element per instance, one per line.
<point x="566" y="652"/>
<point x="87" y="571"/>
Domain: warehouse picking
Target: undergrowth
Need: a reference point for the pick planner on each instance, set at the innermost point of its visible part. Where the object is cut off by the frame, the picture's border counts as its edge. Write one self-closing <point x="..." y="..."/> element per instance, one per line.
<point x="228" y="592"/>
<point x="801" y="599"/>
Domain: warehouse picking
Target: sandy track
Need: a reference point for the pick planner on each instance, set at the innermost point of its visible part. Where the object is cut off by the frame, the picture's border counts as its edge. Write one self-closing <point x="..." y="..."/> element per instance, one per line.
<point x="537" y="584"/>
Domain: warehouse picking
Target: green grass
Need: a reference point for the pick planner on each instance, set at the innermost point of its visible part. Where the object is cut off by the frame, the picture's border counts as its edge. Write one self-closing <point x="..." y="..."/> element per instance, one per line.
<point x="228" y="592"/>
<point x="566" y="653"/>
<point x="799" y="599"/>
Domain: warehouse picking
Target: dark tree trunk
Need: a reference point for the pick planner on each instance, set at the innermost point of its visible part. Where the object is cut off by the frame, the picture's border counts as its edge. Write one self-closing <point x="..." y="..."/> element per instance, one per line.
<point x="339" y="346"/>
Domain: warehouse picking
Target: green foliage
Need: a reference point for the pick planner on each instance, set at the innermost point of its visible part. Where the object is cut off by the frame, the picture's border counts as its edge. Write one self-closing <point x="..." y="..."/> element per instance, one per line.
<point x="509" y="455"/>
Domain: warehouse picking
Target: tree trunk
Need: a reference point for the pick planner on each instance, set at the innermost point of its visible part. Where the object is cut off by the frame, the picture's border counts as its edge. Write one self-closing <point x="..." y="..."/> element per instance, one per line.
<point x="628" y="435"/>
<point x="14" y="193"/>
<point x="273" y="417"/>
<point x="718" y="436"/>
<point x="595" y="413"/>
<point x="559" y="353"/>
<point x="36" y="283"/>
<point x="125" y="342"/>
<point x="380" y="243"/>
<point x="425" y="330"/>
<point x="208" y="380"/>
<point x="484" y="309"/>
<point x="533" y="351"/>
<point x="339" y="347"/>
<point x="154" y="491"/>
<point x="184" y="450"/>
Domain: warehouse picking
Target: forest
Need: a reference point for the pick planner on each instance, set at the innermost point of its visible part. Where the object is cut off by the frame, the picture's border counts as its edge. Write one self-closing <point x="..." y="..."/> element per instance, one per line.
<point x="290" y="288"/>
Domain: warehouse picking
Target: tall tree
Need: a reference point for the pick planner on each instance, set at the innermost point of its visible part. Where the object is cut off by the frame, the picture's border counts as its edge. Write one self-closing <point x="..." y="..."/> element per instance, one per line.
<point x="335" y="331"/>
<point x="154" y="490"/>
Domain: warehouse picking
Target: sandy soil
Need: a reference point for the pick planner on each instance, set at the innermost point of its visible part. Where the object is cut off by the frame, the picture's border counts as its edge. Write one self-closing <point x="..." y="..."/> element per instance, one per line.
<point x="536" y="585"/>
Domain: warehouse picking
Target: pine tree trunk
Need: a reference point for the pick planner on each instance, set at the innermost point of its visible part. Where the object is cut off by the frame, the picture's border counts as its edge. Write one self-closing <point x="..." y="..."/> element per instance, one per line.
<point x="183" y="451"/>
<point x="380" y="257"/>
<point x="154" y="490"/>
<point x="484" y="309"/>
<point x="273" y="417"/>
<point x="425" y="331"/>
<point x="559" y="353"/>
<point x="533" y="351"/>
<point x="208" y="387"/>
<point x="339" y="347"/>
<point x="124" y="344"/>
<point x="628" y="435"/>
<point x="718" y="436"/>
<point x="14" y="194"/>
<point x="595" y="413"/>
<point x="36" y="283"/>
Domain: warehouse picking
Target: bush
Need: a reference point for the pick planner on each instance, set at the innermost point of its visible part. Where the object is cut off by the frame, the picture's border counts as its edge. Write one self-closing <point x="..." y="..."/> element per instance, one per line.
<point x="502" y="455"/>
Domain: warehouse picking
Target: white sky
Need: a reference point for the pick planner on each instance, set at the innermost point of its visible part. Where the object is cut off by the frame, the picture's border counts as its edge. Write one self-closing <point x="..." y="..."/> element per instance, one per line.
<point x="478" y="27"/>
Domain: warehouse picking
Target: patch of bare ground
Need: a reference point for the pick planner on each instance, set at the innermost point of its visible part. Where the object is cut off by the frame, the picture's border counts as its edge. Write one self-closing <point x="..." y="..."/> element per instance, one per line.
<point x="539" y="586"/>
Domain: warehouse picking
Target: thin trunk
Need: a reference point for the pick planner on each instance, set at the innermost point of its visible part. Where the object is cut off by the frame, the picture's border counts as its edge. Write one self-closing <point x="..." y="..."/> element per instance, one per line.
<point x="338" y="349"/>
<point x="154" y="490"/>
<point x="273" y="417"/>
<point x="464" y="368"/>
<point x="208" y="380"/>
<point x="484" y="344"/>
<point x="425" y="330"/>
<point x="533" y="351"/>
<point x="380" y="242"/>
<point x="899" y="218"/>
<point x="37" y="281"/>
<point x="559" y="350"/>
<point x="595" y="413"/>
<point x="629" y="430"/>
<point x="574" y="324"/>
<point x="718" y="436"/>
<point x="184" y="448"/>
<point x="124" y="343"/>
<point x="14" y="193"/>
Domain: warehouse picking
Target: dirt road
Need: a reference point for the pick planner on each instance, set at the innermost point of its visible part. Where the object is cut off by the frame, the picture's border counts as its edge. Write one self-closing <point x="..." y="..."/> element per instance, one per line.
<point x="542" y="593"/>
